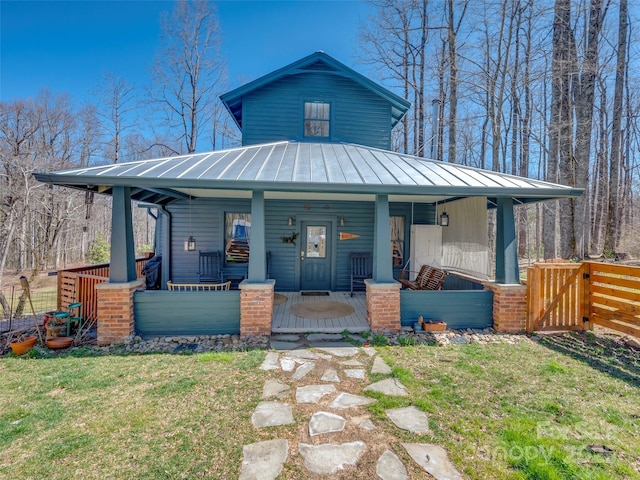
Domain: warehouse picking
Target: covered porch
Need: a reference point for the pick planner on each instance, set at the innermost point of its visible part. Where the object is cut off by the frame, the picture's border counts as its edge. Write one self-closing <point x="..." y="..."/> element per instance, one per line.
<point x="293" y="187"/>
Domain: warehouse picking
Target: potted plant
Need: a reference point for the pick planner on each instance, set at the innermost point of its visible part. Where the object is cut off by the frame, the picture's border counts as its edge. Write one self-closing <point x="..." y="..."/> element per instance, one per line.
<point x="22" y="344"/>
<point x="431" y="325"/>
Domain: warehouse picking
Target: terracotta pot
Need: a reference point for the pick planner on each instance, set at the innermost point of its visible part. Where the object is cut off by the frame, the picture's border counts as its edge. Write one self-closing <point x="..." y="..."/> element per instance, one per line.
<point x="20" y="348"/>
<point x="434" y="326"/>
<point x="59" y="342"/>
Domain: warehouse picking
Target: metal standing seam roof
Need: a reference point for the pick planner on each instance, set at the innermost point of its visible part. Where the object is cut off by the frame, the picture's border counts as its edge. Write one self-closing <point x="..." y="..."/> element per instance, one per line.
<point x="305" y="167"/>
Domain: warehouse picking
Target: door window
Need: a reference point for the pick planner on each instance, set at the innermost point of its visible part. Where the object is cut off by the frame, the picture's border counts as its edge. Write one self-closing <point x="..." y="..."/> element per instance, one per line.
<point x="316" y="241"/>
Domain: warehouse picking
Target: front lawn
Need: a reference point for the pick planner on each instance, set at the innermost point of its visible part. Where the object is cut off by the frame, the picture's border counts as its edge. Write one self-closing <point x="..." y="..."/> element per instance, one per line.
<point x="525" y="411"/>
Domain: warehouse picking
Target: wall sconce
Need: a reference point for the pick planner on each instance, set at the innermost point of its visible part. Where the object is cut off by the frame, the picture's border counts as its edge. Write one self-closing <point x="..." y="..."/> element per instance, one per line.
<point x="190" y="244"/>
<point x="444" y="219"/>
<point x="341" y="221"/>
<point x="291" y="220"/>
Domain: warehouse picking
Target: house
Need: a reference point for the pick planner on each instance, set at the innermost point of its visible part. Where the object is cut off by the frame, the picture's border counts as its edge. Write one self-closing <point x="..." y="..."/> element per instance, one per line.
<point x="313" y="181"/>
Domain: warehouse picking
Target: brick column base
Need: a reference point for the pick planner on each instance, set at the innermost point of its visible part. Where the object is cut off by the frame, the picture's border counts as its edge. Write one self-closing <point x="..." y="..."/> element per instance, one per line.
<point x="383" y="306"/>
<point x="116" y="323"/>
<point x="509" y="307"/>
<point x="256" y="308"/>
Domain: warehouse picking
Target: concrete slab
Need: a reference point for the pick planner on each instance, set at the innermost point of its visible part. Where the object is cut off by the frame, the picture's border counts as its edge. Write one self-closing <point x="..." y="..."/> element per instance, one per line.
<point x="367" y="425"/>
<point x="434" y="460"/>
<point x="330" y="376"/>
<point x="325" y="422"/>
<point x="285" y="337"/>
<point x="302" y="354"/>
<point x="288" y="364"/>
<point x="313" y="393"/>
<point x="351" y="363"/>
<point x="348" y="400"/>
<point x="370" y="351"/>
<point x="303" y="370"/>
<point x="328" y="458"/>
<point x="357" y="373"/>
<point x="274" y="388"/>
<point x="337" y="349"/>
<point x="271" y="414"/>
<point x="389" y="386"/>
<point x="284" y="346"/>
<point x="270" y="361"/>
<point x="390" y="467"/>
<point x="410" y="419"/>
<point x="322" y="337"/>
<point x="380" y="366"/>
<point x="263" y="460"/>
<point x="358" y="338"/>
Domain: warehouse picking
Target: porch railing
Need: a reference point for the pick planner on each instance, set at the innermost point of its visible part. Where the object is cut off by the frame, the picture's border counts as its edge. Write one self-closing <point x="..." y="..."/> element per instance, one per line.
<point x="78" y="285"/>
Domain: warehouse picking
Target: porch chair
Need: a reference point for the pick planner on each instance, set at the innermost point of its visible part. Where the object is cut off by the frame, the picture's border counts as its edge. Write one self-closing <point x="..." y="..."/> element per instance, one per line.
<point x="360" y="270"/>
<point x="210" y="270"/>
<point x="428" y="278"/>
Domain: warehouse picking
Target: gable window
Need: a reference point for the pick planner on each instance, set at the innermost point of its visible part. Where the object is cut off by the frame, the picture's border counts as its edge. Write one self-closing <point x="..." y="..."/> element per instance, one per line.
<point x="237" y="227"/>
<point x="316" y="119"/>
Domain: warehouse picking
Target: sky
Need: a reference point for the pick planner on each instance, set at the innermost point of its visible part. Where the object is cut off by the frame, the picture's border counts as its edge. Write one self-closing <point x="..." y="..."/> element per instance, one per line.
<point x="68" y="46"/>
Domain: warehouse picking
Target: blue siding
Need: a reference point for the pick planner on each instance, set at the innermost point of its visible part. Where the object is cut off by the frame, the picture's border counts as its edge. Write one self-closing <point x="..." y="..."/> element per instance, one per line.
<point x="276" y="111"/>
<point x="460" y="309"/>
<point x="207" y="226"/>
<point x="186" y="313"/>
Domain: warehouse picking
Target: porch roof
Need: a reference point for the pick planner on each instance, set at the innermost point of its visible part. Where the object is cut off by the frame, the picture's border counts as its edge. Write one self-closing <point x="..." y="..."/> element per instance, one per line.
<point x="300" y="169"/>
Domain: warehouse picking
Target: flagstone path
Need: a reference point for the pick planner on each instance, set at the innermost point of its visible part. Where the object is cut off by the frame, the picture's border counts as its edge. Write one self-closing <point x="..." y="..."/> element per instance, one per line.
<point x="320" y="381"/>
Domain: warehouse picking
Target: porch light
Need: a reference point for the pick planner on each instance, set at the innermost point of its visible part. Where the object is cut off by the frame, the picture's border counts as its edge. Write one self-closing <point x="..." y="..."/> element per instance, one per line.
<point x="444" y="219"/>
<point x="341" y="221"/>
<point x="291" y="220"/>
<point x="190" y="244"/>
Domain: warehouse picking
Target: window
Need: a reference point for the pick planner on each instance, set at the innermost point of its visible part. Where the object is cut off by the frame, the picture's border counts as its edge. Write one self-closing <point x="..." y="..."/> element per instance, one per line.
<point x="316" y="242"/>
<point x="396" y="224"/>
<point x="316" y="119"/>
<point x="237" y="227"/>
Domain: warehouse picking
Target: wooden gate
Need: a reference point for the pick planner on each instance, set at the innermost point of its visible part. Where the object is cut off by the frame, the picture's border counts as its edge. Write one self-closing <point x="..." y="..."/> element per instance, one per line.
<point x="557" y="296"/>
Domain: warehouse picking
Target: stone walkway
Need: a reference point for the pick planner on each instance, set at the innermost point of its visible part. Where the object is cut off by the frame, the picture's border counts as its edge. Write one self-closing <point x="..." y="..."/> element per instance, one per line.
<point x="320" y="381"/>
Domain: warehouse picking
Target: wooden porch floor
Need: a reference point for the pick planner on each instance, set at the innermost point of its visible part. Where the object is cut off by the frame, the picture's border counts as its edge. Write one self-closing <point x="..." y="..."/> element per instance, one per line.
<point x="285" y="322"/>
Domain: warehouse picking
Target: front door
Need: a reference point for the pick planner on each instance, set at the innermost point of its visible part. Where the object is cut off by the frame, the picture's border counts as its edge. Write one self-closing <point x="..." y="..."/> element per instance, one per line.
<point x="315" y="256"/>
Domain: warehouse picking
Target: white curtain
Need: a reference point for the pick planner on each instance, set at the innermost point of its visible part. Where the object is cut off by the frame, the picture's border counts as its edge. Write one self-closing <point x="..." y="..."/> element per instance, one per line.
<point x="465" y="242"/>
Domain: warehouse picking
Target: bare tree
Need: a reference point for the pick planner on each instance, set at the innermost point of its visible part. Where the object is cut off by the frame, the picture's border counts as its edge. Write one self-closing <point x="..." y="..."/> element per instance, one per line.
<point x="188" y="70"/>
<point x="117" y="100"/>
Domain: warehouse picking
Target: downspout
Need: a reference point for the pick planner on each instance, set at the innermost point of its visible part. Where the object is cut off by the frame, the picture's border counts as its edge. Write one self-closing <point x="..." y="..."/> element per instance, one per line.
<point x="166" y="246"/>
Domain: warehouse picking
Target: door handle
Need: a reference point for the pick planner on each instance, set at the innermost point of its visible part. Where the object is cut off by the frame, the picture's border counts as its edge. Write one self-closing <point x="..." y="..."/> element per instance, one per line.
<point x="301" y="255"/>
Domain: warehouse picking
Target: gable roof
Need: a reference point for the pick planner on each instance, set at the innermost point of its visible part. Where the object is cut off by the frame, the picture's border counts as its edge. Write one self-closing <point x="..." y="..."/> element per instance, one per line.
<point x="304" y="168"/>
<point x="318" y="61"/>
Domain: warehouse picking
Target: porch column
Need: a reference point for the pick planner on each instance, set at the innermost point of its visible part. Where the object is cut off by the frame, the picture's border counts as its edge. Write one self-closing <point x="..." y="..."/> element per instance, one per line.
<point x="506" y="244"/>
<point x="256" y="292"/>
<point x="382" y="261"/>
<point x="257" y="252"/>
<point x="383" y="292"/>
<point x="116" y="323"/>
<point x="123" y="255"/>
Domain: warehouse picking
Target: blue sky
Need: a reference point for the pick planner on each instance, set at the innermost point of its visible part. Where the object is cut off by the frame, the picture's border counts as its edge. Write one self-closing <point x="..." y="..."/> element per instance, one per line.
<point x="68" y="45"/>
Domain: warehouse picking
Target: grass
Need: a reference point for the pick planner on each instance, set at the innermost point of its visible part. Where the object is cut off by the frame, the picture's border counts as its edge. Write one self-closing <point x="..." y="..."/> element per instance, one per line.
<point x="525" y="411"/>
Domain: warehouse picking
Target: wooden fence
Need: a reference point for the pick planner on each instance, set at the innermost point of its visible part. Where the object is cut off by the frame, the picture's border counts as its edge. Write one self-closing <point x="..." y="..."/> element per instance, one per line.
<point x="575" y="296"/>
<point x="78" y="285"/>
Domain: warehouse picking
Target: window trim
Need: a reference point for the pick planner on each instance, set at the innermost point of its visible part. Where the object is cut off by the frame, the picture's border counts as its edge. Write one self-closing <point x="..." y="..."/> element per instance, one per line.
<point x="328" y="120"/>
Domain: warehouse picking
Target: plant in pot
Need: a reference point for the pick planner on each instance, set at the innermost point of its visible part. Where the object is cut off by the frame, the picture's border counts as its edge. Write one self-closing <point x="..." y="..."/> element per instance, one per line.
<point x="22" y="344"/>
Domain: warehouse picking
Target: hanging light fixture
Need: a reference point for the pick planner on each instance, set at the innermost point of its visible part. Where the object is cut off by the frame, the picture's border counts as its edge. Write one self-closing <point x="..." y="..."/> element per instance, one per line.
<point x="290" y="221"/>
<point x="190" y="243"/>
<point x="444" y="219"/>
<point x="341" y="221"/>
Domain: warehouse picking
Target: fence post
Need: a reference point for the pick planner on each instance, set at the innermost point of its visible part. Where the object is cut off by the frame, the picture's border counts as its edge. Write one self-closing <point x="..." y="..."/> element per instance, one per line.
<point x="585" y="310"/>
